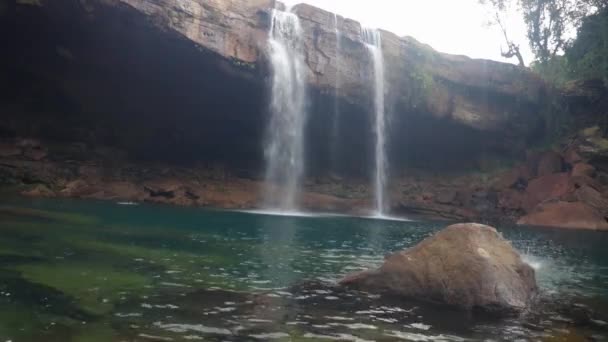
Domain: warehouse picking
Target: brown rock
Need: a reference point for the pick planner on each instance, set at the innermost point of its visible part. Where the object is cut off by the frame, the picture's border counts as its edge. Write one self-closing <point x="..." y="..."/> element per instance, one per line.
<point x="547" y="188"/>
<point x="549" y="163"/>
<point x="508" y="179"/>
<point x="581" y="181"/>
<point x="469" y="266"/>
<point x="511" y="200"/>
<point x="514" y="178"/>
<point x="237" y="30"/>
<point x="575" y="215"/>
<point x="592" y="197"/>
<point x="124" y="191"/>
<point x="39" y="191"/>
<point x="78" y="188"/>
<point x="532" y="161"/>
<point x="435" y="211"/>
<point x="446" y="197"/>
<point x="583" y="170"/>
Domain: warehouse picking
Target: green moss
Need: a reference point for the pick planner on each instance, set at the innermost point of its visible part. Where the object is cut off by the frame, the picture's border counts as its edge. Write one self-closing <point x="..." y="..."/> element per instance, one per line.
<point x="194" y="268"/>
<point x="94" y="287"/>
<point x="421" y="83"/>
<point x="162" y="256"/>
<point x="63" y="217"/>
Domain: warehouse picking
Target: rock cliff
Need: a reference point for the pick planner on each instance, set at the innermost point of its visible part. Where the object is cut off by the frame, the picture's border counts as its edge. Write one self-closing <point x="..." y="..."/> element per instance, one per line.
<point x="481" y="94"/>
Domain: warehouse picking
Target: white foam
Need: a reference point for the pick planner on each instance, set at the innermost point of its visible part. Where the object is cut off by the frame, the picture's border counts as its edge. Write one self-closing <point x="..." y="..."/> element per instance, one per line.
<point x="534" y="262"/>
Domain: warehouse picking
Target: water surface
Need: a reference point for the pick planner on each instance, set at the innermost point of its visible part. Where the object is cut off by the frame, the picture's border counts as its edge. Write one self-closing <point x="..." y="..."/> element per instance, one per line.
<point x="100" y="271"/>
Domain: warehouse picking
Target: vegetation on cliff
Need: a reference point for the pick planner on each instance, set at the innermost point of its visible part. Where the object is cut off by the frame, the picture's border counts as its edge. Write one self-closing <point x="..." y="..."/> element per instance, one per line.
<point x="569" y="40"/>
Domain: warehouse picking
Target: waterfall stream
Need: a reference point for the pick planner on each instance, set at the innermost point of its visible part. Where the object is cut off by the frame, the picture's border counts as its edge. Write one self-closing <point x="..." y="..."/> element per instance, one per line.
<point x="335" y="128"/>
<point x="373" y="41"/>
<point x="285" y="135"/>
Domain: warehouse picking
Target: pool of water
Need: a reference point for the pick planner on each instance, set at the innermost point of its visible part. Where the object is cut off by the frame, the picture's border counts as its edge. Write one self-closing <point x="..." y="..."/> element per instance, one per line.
<point x="100" y="271"/>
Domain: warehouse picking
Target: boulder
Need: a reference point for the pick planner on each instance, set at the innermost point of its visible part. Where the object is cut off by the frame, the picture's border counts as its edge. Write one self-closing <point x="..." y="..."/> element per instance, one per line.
<point x="573" y="215"/>
<point x="468" y="266"/>
<point x="549" y="163"/>
<point x="583" y="170"/>
<point x="546" y="188"/>
<point x="593" y="144"/>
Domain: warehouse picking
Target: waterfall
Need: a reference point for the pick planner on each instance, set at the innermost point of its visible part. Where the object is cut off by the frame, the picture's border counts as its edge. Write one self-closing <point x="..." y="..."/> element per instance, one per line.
<point x="335" y="128"/>
<point x="373" y="41"/>
<point x="285" y="136"/>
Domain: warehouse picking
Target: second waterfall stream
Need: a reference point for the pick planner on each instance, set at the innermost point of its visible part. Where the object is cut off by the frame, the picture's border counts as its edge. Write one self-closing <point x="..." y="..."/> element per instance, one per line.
<point x="373" y="41"/>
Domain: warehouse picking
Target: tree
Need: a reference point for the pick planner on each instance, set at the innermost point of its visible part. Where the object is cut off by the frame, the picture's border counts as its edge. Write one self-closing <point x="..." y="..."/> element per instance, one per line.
<point x="513" y="50"/>
<point x="551" y="24"/>
<point x="588" y="55"/>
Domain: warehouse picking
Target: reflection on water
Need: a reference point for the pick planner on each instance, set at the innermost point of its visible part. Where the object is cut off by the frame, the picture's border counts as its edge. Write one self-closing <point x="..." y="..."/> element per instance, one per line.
<point x="90" y="271"/>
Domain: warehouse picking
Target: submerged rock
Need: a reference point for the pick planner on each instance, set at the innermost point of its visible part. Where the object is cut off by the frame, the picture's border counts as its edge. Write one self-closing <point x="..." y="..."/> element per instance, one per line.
<point x="469" y="266"/>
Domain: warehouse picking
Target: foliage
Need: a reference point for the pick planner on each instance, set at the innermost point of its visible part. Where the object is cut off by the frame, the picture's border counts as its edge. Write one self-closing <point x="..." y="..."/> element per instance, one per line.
<point x="422" y="82"/>
<point x="556" y="71"/>
<point x="588" y="55"/>
<point x="550" y="23"/>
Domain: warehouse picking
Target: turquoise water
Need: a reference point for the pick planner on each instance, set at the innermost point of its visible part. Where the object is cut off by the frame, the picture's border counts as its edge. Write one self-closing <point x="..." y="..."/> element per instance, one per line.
<point x="100" y="271"/>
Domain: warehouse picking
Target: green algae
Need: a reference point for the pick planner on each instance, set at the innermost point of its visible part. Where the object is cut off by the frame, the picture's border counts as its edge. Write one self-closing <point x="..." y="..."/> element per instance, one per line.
<point x="195" y="269"/>
<point x="64" y="217"/>
<point x="96" y="288"/>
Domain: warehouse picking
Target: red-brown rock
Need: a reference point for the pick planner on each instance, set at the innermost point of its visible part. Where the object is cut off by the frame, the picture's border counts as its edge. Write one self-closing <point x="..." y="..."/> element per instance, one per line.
<point x="573" y="215"/>
<point x="547" y="188"/>
<point x="583" y="170"/>
<point x="511" y="200"/>
<point x="509" y="179"/>
<point x="592" y="197"/>
<point x="469" y="266"/>
<point x="532" y="161"/>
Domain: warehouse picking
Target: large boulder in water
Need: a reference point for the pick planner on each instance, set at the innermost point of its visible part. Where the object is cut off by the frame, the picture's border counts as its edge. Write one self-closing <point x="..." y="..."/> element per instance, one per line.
<point x="469" y="266"/>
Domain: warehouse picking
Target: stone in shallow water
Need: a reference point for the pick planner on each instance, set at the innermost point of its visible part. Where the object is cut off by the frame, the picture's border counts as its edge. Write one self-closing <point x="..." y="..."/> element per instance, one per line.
<point x="469" y="266"/>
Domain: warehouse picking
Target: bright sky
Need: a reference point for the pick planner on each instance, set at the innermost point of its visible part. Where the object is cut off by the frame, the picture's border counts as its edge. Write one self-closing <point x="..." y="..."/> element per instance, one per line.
<point x="452" y="26"/>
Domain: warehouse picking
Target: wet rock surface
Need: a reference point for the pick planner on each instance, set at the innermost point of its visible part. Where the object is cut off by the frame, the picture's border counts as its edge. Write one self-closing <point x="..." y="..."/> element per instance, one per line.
<point x="469" y="266"/>
<point x="559" y="214"/>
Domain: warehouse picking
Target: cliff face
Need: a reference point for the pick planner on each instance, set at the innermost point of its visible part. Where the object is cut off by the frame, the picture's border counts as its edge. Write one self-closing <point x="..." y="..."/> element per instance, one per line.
<point x="180" y="77"/>
<point x="480" y="94"/>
